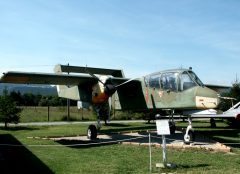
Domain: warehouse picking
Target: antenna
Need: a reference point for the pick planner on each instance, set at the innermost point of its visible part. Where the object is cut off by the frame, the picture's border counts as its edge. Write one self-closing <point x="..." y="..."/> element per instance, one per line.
<point x="236" y="80"/>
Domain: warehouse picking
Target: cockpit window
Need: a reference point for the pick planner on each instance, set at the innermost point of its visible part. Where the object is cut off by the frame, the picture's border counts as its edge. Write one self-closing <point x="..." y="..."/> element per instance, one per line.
<point x="189" y="80"/>
<point x="154" y="81"/>
<point x="169" y="81"/>
<point x="165" y="81"/>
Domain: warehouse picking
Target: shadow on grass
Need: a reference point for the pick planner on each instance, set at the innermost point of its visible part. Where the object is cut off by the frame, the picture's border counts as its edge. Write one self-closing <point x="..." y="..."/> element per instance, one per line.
<point x="116" y="125"/>
<point x="192" y="166"/>
<point x="226" y="135"/>
<point x="84" y="144"/>
<point x="19" y="128"/>
<point x="18" y="159"/>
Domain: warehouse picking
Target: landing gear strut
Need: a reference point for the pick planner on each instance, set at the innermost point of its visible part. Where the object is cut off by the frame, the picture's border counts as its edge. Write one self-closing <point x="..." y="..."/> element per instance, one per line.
<point x="213" y="123"/>
<point x="172" y="125"/>
<point x="189" y="134"/>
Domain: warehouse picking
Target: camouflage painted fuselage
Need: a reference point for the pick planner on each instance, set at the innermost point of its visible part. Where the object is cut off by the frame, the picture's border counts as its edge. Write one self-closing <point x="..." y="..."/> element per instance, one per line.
<point x="142" y="94"/>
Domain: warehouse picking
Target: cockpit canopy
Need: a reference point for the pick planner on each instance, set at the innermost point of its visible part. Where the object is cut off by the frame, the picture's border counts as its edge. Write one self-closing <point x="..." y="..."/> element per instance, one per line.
<point x="173" y="80"/>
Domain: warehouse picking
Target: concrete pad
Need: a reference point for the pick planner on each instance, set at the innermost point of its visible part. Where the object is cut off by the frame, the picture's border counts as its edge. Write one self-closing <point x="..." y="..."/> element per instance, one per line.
<point x="142" y="138"/>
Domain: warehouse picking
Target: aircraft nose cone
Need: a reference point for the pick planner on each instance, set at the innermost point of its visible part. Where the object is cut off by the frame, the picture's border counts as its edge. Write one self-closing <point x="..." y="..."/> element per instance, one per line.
<point x="207" y="98"/>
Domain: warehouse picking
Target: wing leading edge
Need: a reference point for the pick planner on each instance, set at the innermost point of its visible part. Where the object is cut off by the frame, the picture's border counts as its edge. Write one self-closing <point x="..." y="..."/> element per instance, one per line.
<point x="47" y="78"/>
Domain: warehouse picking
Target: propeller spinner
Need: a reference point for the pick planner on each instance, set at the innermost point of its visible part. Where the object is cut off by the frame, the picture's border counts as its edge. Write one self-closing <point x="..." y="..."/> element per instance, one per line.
<point x="102" y="90"/>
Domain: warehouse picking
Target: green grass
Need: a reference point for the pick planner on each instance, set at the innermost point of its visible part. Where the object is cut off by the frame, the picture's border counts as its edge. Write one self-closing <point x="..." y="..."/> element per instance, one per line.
<point x="115" y="159"/>
<point x="40" y="114"/>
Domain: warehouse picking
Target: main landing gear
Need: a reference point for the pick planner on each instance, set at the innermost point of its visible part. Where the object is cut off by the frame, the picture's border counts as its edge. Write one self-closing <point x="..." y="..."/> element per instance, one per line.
<point x="92" y="132"/>
<point x="213" y="123"/>
<point x="92" y="129"/>
<point x="172" y="125"/>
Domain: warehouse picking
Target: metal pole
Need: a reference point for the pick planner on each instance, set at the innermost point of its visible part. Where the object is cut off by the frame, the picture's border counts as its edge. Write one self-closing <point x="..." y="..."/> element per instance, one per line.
<point x="68" y="105"/>
<point x="48" y="113"/>
<point x="164" y="150"/>
<point x="68" y="109"/>
<point x="150" y="154"/>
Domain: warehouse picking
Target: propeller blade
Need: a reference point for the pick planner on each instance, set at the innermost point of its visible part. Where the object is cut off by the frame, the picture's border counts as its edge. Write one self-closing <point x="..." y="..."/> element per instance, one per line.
<point x="93" y="75"/>
<point x="124" y="83"/>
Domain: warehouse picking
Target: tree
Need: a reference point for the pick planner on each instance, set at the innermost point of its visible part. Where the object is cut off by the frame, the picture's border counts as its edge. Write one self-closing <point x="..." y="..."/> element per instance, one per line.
<point x="28" y="99"/>
<point x="233" y="93"/>
<point x="17" y="97"/>
<point x="9" y="112"/>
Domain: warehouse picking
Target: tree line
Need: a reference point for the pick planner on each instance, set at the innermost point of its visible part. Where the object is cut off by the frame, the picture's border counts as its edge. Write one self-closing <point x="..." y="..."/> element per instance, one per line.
<point x="29" y="99"/>
<point x="9" y="102"/>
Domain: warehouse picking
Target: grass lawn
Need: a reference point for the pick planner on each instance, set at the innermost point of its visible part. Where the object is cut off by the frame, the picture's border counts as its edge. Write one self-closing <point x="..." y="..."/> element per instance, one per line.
<point x="54" y="157"/>
<point x="41" y="114"/>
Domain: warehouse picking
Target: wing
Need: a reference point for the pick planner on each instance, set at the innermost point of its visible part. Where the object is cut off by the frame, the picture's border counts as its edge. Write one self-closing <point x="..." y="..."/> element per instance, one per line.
<point x="75" y="87"/>
<point x="219" y="88"/>
<point x="224" y="116"/>
<point x="47" y="78"/>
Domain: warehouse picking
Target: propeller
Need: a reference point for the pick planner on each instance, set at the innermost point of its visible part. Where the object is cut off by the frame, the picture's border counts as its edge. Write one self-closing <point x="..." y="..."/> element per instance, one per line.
<point x="109" y="88"/>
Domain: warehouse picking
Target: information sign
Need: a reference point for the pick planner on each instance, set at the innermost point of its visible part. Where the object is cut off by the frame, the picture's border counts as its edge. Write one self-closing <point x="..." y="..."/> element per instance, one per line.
<point x="163" y="127"/>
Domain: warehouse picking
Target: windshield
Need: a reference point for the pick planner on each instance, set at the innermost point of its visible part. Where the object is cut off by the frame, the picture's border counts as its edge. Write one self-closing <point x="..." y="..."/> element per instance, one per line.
<point x="195" y="78"/>
<point x="188" y="80"/>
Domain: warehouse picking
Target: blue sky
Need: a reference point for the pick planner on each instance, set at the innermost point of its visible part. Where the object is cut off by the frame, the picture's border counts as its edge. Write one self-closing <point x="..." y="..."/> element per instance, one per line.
<point x="138" y="36"/>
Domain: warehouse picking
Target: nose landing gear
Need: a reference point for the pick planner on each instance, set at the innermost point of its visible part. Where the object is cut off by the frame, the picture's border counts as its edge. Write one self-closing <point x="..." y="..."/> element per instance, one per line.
<point x="189" y="134"/>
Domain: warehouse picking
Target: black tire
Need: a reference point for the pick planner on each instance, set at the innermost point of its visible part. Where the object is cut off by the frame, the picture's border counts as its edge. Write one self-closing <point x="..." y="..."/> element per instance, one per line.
<point x="92" y="132"/>
<point x="172" y="127"/>
<point x="191" y="137"/>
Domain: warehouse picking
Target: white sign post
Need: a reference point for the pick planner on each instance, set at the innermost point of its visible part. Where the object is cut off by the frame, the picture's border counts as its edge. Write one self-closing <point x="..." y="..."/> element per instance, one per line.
<point x="163" y="129"/>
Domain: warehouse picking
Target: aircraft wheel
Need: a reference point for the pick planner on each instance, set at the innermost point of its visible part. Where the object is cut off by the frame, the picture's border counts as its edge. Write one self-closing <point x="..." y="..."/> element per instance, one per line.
<point x="189" y="137"/>
<point x="172" y="127"/>
<point x="92" y="132"/>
